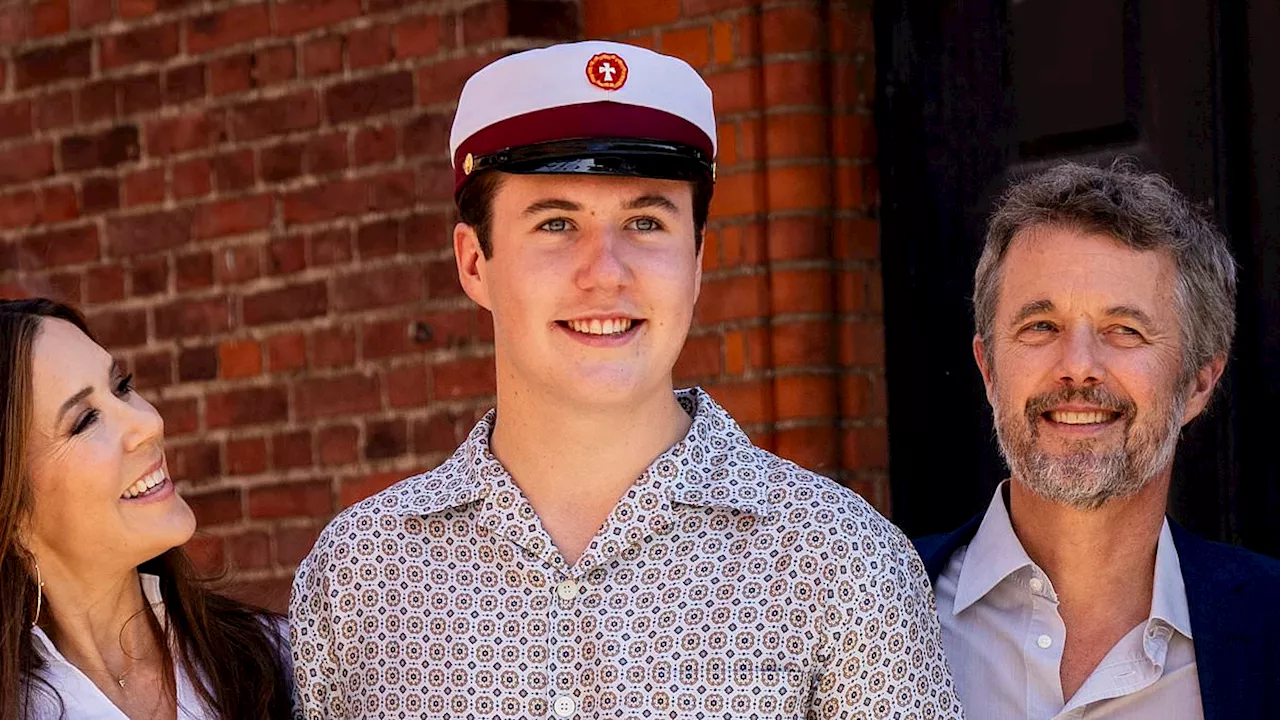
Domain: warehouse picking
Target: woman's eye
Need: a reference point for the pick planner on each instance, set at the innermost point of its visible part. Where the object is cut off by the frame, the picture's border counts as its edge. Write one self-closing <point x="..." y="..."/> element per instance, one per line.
<point x="646" y="224"/>
<point x="555" y="225"/>
<point x="125" y="385"/>
<point x="87" y="419"/>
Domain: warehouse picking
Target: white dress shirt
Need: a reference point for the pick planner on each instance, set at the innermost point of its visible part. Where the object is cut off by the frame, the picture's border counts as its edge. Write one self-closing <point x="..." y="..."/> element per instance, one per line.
<point x="82" y="700"/>
<point x="726" y="583"/>
<point x="1004" y="637"/>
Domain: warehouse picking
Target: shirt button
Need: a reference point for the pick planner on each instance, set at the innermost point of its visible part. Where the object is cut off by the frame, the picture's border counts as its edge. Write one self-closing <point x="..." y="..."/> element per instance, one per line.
<point x="567" y="590"/>
<point x="1044" y="641"/>
<point x="564" y="706"/>
<point x="1036" y="585"/>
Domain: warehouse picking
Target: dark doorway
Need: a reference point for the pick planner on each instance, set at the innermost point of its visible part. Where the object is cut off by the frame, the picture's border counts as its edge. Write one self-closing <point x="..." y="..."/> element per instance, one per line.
<point x="971" y="95"/>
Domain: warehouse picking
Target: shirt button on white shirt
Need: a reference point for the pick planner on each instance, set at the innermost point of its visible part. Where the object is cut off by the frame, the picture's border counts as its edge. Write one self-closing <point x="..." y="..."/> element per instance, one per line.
<point x="567" y="590"/>
<point x="1037" y="585"/>
<point x="1044" y="641"/>
<point x="564" y="706"/>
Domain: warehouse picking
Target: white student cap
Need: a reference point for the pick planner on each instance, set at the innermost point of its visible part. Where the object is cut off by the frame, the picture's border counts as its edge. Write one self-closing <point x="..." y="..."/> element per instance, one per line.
<point x="587" y="107"/>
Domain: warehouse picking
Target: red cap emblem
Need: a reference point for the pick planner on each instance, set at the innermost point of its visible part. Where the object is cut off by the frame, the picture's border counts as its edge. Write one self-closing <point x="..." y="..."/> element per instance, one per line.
<point x="607" y="71"/>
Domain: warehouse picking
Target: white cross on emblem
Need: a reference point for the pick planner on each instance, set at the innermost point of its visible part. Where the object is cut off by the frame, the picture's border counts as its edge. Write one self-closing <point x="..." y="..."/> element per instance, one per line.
<point x="607" y="71"/>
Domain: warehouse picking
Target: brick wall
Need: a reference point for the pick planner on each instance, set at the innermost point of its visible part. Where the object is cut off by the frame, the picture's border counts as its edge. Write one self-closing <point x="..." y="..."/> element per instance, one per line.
<point x="251" y="201"/>
<point x="789" y="332"/>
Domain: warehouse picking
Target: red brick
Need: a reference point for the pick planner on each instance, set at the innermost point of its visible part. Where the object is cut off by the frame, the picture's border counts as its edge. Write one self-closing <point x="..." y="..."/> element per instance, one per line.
<point x="104" y="284"/>
<point x="333" y="347"/>
<point x="852" y="186"/>
<point x="353" y="491"/>
<point x="337" y="444"/>
<point x="394" y="191"/>
<point x="792" y="30"/>
<point x="292" y="302"/>
<point x="805" y="397"/>
<point x="750" y="403"/>
<point x="700" y="358"/>
<point x="291" y="449"/>
<point x="106" y="149"/>
<point x="181" y="416"/>
<point x="70" y="246"/>
<point x="237" y="264"/>
<point x="378" y="239"/>
<point x="857" y="239"/>
<point x="55" y="111"/>
<point x="375" y="145"/>
<point x="249" y="550"/>
<point x="87" y="13"/>
<point x="424" y="233"/>
<point x="96" y="101"/>
<point x="442" y="280"/>
<point x="62" y="286"/>
<point x="281" y="162"/>
<point x="144" y="187"/>
<point x="801" y="291"/>
<point x="192" y="318"/>
<point x="293" y="543"/>
<point x="491" y="21"/>
<point x="604" y="18"/>
<point x="297" y="16"/>
<point x="866" y="448"/>
<point x="326" y="202"/>
<point x="207" y="552"/>
<point x="274" y="65"/>
<point x="191" y="179"/>
<point x="148" y="44"/>
<point x="861" y="343"/>
<point x="229" y="27"/>
<point x="851" y="291"/>
<point x="13" y="25"/>
<point x="735" y="353"/>
<point x="15" y="118"/>
<point x="800" y="82"/>
<point x="440" y="432"/>
<point x="472" y="377"/>
<point x="197" y="363"/>
<point x="341" y="395"/>
<point x="120" y="328"/>
<point x="193" y="270"/>
<point x="407" y="386"/>
<point x="233" y="217"/>
<point x="369" y="46"/>
<point x="183" y="84"/>
<point x="151" y="232"/>
<point x="740" y="193"/>
<point x="130" y="9"/>
<point x="692" y="45"/>
<point x="149" y="276"/>
<point x="239" y="358"/>
<point x="853" y="136"/>
<point x="735" y="90"/>
<point x="53" y="63"/>
<point x="307" y="499"/>
<point x="813" y="448"/>
<point x="386" y="439"/>
<point x="733" y="298"/>
<point x="441" y="82"/>
<point x="322" y="56"/>
<point x="216" y="508"/>
<point x="722" y="41"/>
<point x="417" y="36"/>
<point x="250" y="406"/>
<point x="194" y="462"/>
<point x="19" y="209"/>
<point x="246" y="456"/>
<point x="326" y="153"/>
<point x="277" y="116"/>
<point x="851" y="31"/>
<point x="192" y="131"/>
<point x="379" y="288"/>
<point x="231" y="74"/>
<point x="287" y="351"/>
<point x="26" y="162"/>
<point x="286" y="255"/>
<point x="799" y="343"/>
<point x="799" y="188"/>
<point x="368" y="97"/>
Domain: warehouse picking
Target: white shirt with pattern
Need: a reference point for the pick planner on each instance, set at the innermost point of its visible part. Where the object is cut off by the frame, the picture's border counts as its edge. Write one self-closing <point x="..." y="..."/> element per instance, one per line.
<point x="727" y="583"/>
<point x="1004" y="635"/>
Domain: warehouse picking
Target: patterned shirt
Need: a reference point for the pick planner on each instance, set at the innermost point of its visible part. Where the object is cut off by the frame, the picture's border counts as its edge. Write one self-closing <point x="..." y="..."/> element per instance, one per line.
<point x="727" y="583"/>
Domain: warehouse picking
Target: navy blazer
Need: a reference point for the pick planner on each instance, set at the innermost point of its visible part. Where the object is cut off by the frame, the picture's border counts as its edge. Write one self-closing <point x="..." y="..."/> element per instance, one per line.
<point x="1234" y="599"/>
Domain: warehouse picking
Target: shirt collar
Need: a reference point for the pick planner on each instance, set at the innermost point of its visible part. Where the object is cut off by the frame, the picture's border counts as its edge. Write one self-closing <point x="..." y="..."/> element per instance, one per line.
<point x="713" y="465"/>
<point x="995" y="553"/>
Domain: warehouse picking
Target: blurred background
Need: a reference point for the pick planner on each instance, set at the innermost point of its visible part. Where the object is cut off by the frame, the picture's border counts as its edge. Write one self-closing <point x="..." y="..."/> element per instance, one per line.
<point x="251" y="199"/>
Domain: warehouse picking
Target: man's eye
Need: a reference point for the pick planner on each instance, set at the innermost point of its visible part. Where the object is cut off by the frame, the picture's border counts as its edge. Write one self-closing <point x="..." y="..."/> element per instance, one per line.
<point x="555" y="225"/>
<point x="646" y="224"/>
<point x="1042" y="326"/>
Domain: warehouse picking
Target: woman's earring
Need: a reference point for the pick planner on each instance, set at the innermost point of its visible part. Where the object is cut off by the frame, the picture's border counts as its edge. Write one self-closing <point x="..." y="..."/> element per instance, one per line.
<point x="39" y="595"/>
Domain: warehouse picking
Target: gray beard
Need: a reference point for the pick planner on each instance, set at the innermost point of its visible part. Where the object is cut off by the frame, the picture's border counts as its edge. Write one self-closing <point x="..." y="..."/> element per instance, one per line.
<point x="1084" y="477"/>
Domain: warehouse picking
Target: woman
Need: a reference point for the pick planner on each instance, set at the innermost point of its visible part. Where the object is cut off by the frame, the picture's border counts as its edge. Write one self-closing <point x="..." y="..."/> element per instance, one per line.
<point x="101" y="615"/>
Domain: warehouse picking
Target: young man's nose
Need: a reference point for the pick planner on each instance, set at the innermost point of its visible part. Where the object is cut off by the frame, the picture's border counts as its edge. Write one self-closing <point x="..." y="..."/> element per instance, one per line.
<point x="602" y="261"/>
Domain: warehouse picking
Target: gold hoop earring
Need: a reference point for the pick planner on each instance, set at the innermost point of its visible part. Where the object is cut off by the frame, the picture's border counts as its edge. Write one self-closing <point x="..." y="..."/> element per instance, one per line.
<point x="39" y="595"/>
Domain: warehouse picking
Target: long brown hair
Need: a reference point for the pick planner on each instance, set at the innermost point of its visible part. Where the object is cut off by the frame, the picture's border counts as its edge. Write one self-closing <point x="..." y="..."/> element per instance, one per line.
<point x="237" y="649"/>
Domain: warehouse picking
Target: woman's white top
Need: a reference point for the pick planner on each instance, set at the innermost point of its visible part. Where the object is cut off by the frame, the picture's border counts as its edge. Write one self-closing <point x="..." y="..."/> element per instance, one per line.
<point x="82" y="700"/>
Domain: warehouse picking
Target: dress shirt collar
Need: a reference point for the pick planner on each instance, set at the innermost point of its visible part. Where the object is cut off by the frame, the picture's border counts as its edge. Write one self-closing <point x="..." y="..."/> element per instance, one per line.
<point x="694" y="471"/>
<point x="995" y="553"/>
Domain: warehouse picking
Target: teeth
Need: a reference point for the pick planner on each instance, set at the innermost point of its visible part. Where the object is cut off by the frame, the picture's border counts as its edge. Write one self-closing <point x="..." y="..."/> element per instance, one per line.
<point x="1080" y="418"/>
<point x="147" y="483"/>
<point x="610" y="326"/>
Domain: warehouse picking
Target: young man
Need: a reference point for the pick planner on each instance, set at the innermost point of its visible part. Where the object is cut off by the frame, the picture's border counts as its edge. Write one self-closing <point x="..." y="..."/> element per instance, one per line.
<point x="1105" y="309"/>
<point x="601" y="545"/>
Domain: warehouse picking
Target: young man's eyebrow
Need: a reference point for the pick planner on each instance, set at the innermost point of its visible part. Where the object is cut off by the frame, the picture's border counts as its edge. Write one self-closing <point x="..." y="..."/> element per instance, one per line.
<point x="85" y="392"/>
<point x="551" y="204"/>
<point x="653" y="201"/>
<point x="1035" y="307"/>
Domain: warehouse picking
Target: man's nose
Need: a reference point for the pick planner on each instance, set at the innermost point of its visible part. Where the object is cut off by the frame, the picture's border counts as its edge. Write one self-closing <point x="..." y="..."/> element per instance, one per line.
<point x="1080" y="361"/>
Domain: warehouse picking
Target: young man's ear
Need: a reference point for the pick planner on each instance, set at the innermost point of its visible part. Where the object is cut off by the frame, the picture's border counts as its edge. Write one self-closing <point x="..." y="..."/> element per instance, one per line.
<point x="470" y="259"/>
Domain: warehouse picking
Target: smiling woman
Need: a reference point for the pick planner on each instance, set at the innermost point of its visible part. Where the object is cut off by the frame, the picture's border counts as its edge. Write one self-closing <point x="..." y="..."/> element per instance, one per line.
<point x="101" y="615"/>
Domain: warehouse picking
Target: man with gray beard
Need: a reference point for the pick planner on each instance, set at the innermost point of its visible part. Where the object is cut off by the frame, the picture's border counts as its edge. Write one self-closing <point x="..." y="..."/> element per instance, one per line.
<point x="1105" y="310"/>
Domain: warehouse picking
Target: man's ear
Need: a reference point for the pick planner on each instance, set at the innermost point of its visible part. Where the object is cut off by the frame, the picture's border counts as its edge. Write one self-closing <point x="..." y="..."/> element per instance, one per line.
<point x="980" y="356"/>
<point x="1201" y="386"/>
<point x="471" y="264"/>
